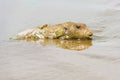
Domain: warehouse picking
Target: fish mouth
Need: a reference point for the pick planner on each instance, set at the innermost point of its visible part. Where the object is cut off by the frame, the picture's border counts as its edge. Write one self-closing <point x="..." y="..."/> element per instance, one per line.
<point x="90" y="37"/>
<point x="87" y="37"/>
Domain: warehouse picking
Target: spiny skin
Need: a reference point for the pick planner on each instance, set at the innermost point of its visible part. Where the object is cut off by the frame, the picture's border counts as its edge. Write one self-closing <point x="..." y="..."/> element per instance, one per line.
<point x="67" y="30"/>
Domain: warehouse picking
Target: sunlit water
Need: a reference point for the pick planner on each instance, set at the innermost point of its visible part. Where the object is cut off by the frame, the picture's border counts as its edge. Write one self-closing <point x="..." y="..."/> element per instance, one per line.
<point x="98" y="59"/>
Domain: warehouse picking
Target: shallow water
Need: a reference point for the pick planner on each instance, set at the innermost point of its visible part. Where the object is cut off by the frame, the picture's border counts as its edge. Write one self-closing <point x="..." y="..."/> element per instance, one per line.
<point x="98" y="59"/>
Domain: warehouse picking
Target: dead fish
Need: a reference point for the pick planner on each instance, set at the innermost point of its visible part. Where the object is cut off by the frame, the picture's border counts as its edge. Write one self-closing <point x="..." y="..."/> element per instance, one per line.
<point x="67" y="30"/>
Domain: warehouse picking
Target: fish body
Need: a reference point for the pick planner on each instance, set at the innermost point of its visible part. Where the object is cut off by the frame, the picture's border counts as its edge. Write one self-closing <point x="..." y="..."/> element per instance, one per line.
<point x="67" y="30"/>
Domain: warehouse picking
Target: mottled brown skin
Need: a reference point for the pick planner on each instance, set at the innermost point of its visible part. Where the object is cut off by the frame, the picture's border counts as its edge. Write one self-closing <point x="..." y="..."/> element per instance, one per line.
<point x="67" y="30"/>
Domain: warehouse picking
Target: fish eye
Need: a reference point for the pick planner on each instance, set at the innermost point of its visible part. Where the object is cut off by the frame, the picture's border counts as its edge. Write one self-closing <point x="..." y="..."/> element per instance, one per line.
<point x="65" y="28"/>
<point x="78" y="27"/>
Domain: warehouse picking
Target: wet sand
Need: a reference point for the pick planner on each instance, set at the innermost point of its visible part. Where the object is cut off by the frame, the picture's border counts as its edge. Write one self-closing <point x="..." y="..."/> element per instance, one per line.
<point x="98" y="59"/>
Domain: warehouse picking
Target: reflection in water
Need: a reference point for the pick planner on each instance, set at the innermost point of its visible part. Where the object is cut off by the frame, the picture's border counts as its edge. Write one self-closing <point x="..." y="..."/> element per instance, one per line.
<point x="65" y="44"/>
<point x="68" y="44"/>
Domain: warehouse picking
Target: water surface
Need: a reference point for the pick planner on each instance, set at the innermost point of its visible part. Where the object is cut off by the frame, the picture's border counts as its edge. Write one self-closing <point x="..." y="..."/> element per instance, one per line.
<point x="98" y="59"/>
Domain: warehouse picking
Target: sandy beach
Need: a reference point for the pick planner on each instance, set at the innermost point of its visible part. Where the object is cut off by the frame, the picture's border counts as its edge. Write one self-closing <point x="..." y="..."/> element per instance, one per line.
<point x="98" y="59"/>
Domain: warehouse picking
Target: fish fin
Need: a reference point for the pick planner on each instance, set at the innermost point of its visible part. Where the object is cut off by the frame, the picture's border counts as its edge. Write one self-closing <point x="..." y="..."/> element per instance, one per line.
<point x="44" y="26"/>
